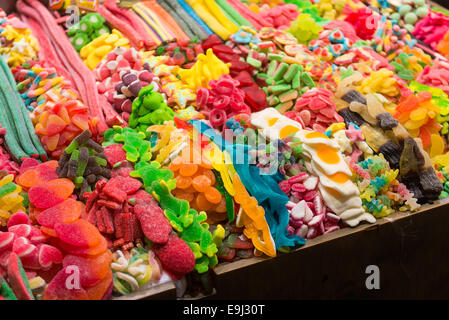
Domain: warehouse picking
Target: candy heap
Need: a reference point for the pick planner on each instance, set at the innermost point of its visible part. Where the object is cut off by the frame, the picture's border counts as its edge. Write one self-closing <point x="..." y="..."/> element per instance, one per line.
<point x="90" y="27"/>
<point x="10" y="198"/>
<point x="315" y="110"/>
<point x="17" y="43"/>
<point x="222" y="101"/>
<point x="56" y="111"/>
<point x="96" y="50"/>
<point x="60" y="219"/>
<point x="83" y="162"/>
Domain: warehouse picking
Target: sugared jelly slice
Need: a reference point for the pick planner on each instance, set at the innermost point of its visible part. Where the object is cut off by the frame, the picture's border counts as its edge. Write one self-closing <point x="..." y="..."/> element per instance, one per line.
<point x="65" y="212"/>
<point x="80" y="233"/>
<point x="50" y="193"/>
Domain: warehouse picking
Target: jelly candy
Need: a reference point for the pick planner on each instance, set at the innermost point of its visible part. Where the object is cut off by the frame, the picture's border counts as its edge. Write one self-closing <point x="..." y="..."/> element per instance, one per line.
<point x="48" y="194"/>
<point x="65" y="212"/>
<point x="114" y="154"/>
<point x="57" y="288"/>
<point x="149" y="108"/>
<point x="79" y="233"/>
<point x="153" y="222"/>
<point x="83" y="162"/>
<point x="102" y="290"/>
<point x="175" y="256"/>
<point x="207" y="67"/>
<point x="18" y="279"/>
<point x="92" y="268"/>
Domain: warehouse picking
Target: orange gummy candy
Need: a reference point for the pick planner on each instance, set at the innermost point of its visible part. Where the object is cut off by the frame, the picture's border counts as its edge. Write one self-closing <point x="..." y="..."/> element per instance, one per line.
<point x="424" y="134"/>
<point x="210" y="175"/>
<point x="183" y="194"/>
<point x="213" y="195"/>
<point x="188" y="169"/>
<point x="183" y="182"/>
<point x="201" y="183"/>
<point x="176" y="164"/>
<point x="98" y="291"/>
<point x="221" y="207"/>
<point x="80" y="233"/>
<point x="202" y="203"/>
<point x="65" y="212"/>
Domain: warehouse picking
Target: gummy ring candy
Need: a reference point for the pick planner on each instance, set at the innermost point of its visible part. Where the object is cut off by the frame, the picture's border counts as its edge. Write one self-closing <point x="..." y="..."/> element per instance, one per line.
<point x="221" y="102"/>
<point x="285" y="38"/>
<point x="202" y="95"/>
<point x="267" y="33"/>
<point x="293" y="49"/>
<point x="217" y="117"/>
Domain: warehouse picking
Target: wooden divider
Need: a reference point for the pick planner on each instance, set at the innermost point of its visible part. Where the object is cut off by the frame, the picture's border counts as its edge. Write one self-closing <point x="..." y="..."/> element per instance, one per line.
<point x="410" y="249"/>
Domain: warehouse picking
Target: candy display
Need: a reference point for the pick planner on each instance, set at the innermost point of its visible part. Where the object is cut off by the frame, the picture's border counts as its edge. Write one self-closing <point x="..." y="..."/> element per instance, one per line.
<point x="55" y="109"/>
<point x="89" y="28"/>
<point x="96" y="50"/>
<point x="153" y="140"/>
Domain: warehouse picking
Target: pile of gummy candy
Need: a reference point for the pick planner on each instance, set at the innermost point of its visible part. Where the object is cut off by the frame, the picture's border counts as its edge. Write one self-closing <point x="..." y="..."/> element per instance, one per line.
<point x="148" y="141"/>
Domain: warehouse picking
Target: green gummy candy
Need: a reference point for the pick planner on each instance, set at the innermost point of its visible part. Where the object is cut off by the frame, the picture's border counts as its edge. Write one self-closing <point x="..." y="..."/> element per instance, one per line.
<point x="279" y="88"/>
<point x="276" y="57"/>
<point x="282" y="68"/>
<point x="307" y="80"/>
<point x="6" y="291"/>
<point x="253" y="62"/>
<point x="296" y="82"/>
<point x="95" y="19"/>
<point x="292" y="70"/>
<point x="7" y="189"/>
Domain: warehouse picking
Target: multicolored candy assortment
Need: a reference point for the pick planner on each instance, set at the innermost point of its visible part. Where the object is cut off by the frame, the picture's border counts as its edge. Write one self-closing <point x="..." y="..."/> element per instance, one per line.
<point x="154" y="139"/>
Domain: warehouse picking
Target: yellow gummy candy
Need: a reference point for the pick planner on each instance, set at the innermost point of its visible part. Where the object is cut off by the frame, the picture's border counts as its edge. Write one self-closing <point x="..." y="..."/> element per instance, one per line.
<point x="122" y="42"/>
<point x="86" y="50"/>
<point x="92" y="61"/>
<point x="418" y="114"/>
<point x="102" y="51"/>
<point x="111" y="39"/>
<point x="99" y="40"/>
<point x="436" y="145"/>
<point x="411" y="125"/>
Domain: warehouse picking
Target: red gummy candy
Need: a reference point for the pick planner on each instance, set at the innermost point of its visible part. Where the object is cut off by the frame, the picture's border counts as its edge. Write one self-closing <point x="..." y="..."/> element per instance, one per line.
<point x="57" y="289"/>
<point x="80" y="233"/>
<point x="51" y="193"/>
<point x="155" y="225"/>
<point x="114" y="153"/>
<point x="126" y="184"/>
<point x="18" y="279"/>
<point x="49" y="255"/>
<point x="255" y="97"/>
<point x="37" y="236"/>
<point x="27" y="164"/>
<point x="22" y="247"/>
<point x="176" y="256"/>
<point x="112" y="190"/>
<point x="18" y="218"/>
<point x="245" y="79"/>
<point x="211" y="41"/>
<point x="92" y="268"/>
<point x="65" y="212"/>
<point x="83" y="251"/>
<point x="21" y="230"/>
<point x="6" y="241"/>
<point x="37" y="175"/>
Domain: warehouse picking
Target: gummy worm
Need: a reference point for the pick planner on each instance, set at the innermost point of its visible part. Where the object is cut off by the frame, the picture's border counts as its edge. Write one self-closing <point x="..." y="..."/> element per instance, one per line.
<point x="193" y="14"/>
<point x="167" y="19"/>
<point x="83" y="79"/>
<point x="133" y="20"/>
